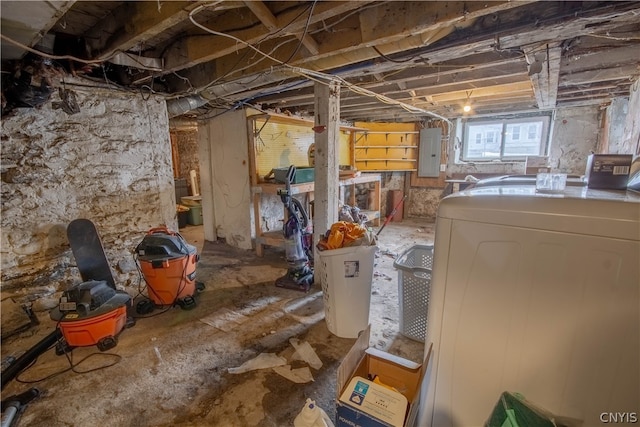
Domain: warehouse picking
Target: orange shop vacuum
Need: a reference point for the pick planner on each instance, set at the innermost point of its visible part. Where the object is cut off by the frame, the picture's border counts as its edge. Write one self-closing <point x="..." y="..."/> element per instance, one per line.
<point x="168" y="264"/>
<point x="92" y="312"/>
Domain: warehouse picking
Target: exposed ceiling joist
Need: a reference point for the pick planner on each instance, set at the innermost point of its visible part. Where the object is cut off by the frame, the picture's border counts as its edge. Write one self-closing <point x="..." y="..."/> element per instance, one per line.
<point x="427" y="54"/>
<point x="134" y="23"/>
<point x="266" y="17"/>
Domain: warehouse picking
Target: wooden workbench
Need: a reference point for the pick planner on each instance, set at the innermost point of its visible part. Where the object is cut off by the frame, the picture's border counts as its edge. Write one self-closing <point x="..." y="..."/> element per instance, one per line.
<point x="276" y="238"/>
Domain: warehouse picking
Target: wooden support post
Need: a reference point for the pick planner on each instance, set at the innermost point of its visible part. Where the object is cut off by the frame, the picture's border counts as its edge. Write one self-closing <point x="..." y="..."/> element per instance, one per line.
<point x="327" y="126"/>
<point x="205" y="140"/>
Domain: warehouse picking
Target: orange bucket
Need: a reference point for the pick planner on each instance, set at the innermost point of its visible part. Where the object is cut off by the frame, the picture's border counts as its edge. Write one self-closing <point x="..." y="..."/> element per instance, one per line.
<point x="169" y="280"/>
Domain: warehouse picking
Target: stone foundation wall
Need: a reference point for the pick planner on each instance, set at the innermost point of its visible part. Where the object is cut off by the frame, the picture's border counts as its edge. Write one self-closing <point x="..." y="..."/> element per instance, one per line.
<point x="110" y="163"/>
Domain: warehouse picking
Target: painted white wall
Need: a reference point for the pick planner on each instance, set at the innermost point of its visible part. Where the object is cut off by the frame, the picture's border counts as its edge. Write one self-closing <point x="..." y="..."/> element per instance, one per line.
<point x="224" y="171"/>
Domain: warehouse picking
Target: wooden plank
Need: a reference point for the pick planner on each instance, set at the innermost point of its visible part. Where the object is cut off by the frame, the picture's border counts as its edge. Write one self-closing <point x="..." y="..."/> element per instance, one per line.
<point x="574" y="61"/>
<point x="596" y="20"/>
<point x="266" y="17"/>
<point x="253" y="179"/>
<point x="134" y="22"/>
<point x="591" y="76"/>
<point x="196" y="50"/>
<point x="337" y="49"/>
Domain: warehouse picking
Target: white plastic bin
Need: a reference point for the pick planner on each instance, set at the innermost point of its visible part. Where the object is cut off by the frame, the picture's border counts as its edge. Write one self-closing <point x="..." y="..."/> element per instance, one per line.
<point x="346" y="275"/>
<point x="414" y="284"/>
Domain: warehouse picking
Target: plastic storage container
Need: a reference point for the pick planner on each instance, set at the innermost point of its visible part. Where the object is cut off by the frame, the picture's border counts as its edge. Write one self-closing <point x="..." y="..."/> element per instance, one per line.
<point x="346" y="276"/>
<point x="195" y="215"/>
<point x="303" y="174"/>
<point x="414" y="284"/>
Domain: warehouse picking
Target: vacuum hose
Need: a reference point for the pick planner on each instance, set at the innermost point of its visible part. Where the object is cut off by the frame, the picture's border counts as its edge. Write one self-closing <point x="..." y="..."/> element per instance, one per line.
<point x="29" y="356"/>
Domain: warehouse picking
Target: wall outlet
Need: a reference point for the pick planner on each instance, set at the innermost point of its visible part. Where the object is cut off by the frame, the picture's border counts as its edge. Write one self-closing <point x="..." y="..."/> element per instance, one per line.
<point x="443" y="168"/>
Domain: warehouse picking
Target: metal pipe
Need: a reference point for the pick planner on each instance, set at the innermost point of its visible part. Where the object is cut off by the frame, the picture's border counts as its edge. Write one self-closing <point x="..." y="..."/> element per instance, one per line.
<point x="179" y="106"/>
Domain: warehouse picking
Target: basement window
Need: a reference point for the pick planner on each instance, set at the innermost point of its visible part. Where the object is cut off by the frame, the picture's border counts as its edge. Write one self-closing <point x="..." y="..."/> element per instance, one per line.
<point x="505" y="139"/>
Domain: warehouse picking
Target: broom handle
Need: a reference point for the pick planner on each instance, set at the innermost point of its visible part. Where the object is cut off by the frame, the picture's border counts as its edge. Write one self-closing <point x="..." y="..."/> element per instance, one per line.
<point x="393" y="212"/>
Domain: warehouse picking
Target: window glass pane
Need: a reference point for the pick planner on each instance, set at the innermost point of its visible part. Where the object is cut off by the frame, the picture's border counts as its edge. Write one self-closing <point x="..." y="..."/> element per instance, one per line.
<point x="483" y="141"/>
<point x="505" y="139"/>
<point x="528" y="146"/>
<point x="513" y="132"/>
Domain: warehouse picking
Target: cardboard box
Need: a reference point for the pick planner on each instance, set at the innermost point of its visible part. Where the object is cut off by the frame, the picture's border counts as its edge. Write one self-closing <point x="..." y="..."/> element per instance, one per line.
<point x="536" y="164"/>
<point x="608" y="171"/>
<point x="391" y="400"/>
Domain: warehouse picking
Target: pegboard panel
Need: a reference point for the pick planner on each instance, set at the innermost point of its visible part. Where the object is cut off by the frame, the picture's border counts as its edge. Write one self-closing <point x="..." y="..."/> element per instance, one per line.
<point x="279" y="145"/>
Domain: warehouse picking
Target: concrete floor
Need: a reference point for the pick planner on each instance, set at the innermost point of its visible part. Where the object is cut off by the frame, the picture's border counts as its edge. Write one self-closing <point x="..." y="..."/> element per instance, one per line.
<point x="172" y="368"/>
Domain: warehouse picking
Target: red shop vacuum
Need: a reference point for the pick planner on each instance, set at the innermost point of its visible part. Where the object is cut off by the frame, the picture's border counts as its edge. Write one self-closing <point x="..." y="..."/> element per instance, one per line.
<point x="93" y="312"/>
<point x="168" y="264"/>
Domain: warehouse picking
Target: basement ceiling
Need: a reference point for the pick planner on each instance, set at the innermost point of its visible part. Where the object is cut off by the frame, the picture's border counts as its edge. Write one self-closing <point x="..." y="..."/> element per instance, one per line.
<point x="396" y="60"/>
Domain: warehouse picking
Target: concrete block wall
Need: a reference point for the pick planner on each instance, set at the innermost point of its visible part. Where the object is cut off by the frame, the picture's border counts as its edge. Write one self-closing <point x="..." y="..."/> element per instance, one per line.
<point x="110" y="163"/>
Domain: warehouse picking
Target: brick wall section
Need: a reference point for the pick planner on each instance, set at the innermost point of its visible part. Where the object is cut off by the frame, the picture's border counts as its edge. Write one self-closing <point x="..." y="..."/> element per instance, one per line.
<point x="110" y="163"/>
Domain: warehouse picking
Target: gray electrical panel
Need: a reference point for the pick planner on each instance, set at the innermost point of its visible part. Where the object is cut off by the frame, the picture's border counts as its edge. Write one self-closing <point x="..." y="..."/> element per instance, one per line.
<point x="429" y="152"/>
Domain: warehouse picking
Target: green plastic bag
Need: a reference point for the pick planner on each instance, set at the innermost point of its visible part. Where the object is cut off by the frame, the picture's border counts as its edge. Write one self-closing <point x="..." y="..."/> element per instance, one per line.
<point x="513" y="410"/>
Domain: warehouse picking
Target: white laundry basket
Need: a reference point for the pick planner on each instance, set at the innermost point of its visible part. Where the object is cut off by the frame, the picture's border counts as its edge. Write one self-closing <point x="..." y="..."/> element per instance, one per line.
<point x="346" y="275"/>
<point x="414" y="284"/>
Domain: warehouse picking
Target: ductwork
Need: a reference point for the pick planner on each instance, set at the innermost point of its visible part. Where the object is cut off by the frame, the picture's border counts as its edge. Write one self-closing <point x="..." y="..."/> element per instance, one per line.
<point x="179" y="106"/>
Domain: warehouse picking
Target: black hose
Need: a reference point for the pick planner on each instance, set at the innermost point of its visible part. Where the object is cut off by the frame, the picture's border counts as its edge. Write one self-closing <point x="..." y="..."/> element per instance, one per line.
<point x="29" y="356"/>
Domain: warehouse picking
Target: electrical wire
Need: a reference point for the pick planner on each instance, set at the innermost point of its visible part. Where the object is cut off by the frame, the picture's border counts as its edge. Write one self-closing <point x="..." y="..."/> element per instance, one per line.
<point x="358" y="10"/>
<point x="316" y="75"/>
<point x="382" y="55"/>
<point x="304" y="33"/>
<point x="69" y="356"/>
<point x="309" y="74"/>
<point x="234" y="70"/>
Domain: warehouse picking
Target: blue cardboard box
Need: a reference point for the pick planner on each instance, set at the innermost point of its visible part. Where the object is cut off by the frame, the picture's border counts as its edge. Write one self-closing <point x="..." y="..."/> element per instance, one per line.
<point x="377" y="389"/>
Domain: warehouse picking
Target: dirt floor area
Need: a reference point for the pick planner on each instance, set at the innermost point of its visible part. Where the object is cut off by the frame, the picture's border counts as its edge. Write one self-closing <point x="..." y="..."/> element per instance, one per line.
<point x="172" y="369"/>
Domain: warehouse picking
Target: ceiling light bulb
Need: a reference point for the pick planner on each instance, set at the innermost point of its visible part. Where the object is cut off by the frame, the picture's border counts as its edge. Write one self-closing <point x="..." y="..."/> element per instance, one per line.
<point x="466" y="108"/>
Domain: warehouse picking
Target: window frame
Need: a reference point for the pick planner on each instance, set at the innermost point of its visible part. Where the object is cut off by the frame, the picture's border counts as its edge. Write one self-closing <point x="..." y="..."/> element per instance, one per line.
<point x="504" y="121"/>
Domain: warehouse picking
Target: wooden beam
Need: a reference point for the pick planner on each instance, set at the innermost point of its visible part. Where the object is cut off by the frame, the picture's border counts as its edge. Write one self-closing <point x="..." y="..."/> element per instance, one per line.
<point x="424" y="79"/>
<point x="595" y="58"/>
<point x="581" y="21"/>
<point x="196" y="50"/>
<point x="265" y="16"/>
<point x="135" y="22"/>
<point x="351" y="40"/>
<point x="486" y="91"/>
<point x="595" y="76"/>
<point x="544" y="72"/>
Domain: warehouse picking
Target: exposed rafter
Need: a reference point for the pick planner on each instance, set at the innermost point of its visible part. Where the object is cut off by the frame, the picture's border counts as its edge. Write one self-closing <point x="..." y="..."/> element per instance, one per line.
<point x="510" y="55"/>
<point x="271" y="22"/>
